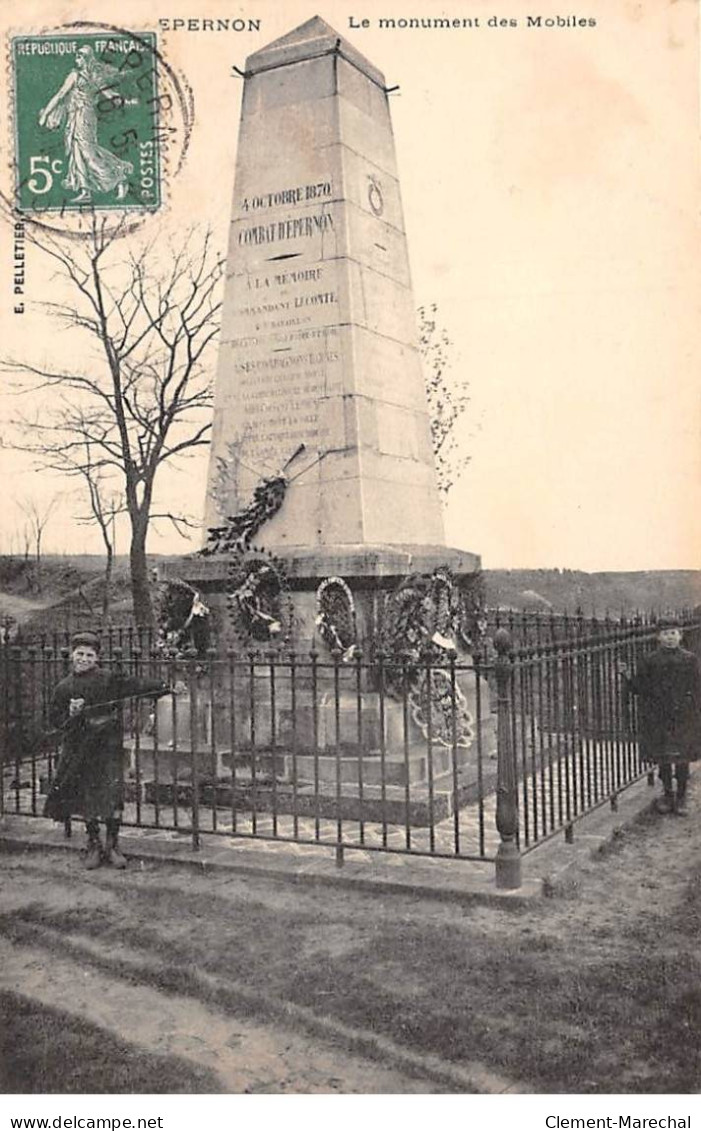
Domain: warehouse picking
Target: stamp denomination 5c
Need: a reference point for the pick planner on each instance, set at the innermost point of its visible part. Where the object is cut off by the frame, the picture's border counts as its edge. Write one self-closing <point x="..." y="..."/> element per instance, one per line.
<point x="86" y="122"/>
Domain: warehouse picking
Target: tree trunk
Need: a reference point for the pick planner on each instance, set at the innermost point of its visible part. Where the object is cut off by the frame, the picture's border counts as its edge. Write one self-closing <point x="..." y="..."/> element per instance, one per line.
<point x="140" y="587"/>
<point x="38" y="561"/>
<point x="107" y="592"/>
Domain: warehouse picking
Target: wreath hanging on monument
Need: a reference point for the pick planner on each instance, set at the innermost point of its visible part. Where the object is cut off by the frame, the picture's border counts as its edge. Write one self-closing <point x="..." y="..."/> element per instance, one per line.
<point x="422" y="617"/>
<point x="258" y="598"/>
<point x="473" y="623"/>
<point x="240" y="528"/>
<point x="436" y="717"/>
<point x="335" y="617"/>
<point x="268" y="496"/>
<point x="183" y="621"/>
<point x="422" y="624"/>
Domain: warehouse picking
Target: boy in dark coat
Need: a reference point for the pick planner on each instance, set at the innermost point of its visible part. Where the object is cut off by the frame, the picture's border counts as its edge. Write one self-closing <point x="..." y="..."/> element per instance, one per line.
<point x="668" y="685"/>
<point x="87" y="707"/>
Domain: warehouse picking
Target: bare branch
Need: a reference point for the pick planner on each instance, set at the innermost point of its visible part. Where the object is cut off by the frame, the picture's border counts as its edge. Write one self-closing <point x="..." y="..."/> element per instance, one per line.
<point x="447" y="398"/>
<point x="148" y="399"/>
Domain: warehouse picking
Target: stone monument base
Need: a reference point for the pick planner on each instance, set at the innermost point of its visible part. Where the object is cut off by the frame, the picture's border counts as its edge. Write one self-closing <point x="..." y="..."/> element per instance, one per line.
<point x="345" y="731"/>
<point x="370" y="571"/>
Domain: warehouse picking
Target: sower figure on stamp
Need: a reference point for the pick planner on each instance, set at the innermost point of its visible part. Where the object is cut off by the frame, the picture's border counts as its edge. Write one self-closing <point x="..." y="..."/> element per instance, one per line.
<point x="91" y="167"/>
<point x="668" y="685"/>
<point x="89" y="782"/>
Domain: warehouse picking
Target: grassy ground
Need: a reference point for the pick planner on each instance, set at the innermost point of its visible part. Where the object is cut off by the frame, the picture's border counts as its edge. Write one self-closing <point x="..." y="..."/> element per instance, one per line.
<point x="596" y="992"/>
<point x="48" y="1050"/>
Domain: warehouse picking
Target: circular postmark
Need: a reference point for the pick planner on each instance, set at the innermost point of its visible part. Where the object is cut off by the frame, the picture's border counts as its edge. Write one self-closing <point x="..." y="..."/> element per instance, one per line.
<point x="100" y="121"/>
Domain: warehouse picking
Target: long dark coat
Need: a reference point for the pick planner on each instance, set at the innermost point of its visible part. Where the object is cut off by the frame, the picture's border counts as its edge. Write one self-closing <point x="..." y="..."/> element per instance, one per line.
<point x="89" y="779"/>
<point x="668" y="686"/>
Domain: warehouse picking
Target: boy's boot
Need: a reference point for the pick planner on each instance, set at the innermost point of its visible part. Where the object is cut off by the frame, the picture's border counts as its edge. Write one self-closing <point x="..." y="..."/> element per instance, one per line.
<point x="665" y="804"/>
<point x="112" y="854"/>
<point x="680" y="807"/>
<point x="93" y="857"/>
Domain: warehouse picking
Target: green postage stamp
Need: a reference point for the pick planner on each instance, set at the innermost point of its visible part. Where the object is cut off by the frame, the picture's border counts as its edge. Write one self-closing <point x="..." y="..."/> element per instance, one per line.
<point x="86" y="122"/>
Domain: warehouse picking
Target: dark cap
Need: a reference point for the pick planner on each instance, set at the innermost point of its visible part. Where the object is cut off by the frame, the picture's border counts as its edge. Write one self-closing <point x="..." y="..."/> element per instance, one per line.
<point x="86" y="640"/>
<point x="668" y="621"/>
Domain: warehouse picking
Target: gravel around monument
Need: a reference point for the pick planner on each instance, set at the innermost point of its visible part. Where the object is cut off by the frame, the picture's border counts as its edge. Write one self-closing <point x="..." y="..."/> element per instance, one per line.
<point x="256" y="985"/>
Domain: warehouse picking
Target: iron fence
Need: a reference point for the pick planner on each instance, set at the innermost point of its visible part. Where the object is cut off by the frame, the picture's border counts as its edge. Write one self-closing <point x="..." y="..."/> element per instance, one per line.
<point x="383" y="756"/>
<point x="481" y="759"/>
<point x="529" y="629"/>
<point x="526" y="628"/>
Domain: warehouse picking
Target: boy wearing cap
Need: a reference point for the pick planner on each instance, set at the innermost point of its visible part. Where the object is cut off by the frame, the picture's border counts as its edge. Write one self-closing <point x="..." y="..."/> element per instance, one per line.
<point x="89" y="779"/>
<point x="668" y="685"/>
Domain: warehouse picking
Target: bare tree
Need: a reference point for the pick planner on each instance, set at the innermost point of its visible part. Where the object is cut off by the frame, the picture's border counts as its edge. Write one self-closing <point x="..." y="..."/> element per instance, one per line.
<point x="447" y="398"/>
<point x="25" y="540"/>
<point x="105" y="505"/>
<point x="38" y="515"/>
<point x="145" y="400"/>
<point x="105" y="502"/>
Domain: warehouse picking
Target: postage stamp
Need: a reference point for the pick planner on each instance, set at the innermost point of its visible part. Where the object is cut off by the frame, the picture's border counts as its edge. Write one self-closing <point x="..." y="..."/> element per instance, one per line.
<point x="86" y="122"/>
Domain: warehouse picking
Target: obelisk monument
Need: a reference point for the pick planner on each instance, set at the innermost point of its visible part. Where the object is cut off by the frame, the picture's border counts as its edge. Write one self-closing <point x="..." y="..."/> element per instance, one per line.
<point x="319" y="387"/>
<point x="325" y="522"/>
<point x="318" y="343"/>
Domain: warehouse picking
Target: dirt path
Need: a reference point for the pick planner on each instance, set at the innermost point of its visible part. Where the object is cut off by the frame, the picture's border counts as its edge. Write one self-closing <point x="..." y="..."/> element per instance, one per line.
<point x="69" y="971"/>
<point x="246" y="1057"/>
<point x="21" y="608"/>
<point x="285" y="988"/>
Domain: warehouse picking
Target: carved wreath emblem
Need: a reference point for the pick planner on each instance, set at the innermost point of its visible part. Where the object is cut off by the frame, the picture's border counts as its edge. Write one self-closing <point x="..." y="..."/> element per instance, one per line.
<point x="375" y="197"/>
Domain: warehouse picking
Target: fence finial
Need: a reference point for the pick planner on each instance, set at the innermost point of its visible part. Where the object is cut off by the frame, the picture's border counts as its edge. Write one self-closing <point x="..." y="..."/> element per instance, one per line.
<point x="503" y="642"/>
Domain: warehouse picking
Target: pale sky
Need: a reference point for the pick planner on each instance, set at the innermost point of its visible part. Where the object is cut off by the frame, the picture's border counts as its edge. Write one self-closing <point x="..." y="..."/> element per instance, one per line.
<point x="550" y="180"/>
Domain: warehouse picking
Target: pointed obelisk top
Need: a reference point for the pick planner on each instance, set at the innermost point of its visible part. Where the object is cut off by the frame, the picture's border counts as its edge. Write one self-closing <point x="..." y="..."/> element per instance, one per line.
<point x="310" y="40"/>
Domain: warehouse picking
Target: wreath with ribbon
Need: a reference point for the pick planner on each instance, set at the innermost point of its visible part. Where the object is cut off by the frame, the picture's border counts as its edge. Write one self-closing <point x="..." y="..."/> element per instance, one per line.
<point x="335" y="617"/>
<point x="183" y="622"/>
<point x="258" y="598"/>
<point x="472" y="622"/>
<point x="434" y="702"/>
<point x="424" y="620"/>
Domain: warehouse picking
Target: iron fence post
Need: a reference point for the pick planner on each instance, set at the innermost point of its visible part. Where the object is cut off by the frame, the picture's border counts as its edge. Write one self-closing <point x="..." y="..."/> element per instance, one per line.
<point x="5" y="709"/>
<point x="194" y="767"/>
<point x="17" y="714"/>
<point x="508" y="859"/>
